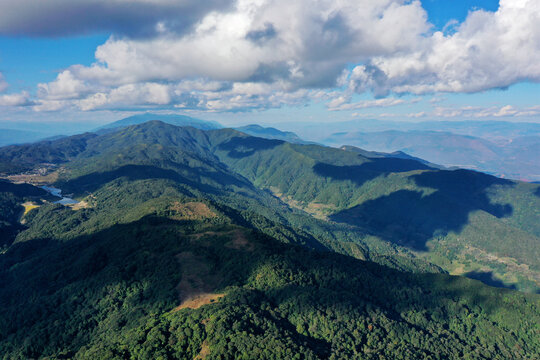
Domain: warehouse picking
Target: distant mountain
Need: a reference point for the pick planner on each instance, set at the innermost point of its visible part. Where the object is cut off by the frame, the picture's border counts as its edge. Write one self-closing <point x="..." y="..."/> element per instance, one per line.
<point x="10" y="137"/>
<point x="490" y="130"/>
<point x="514" y="158"/>
<point x="395" y="154"/>
<point x="271" y="133"/>
<point x="485" y="129"/>
<point x="191" y="244"/>
<point x="178" y="120"/>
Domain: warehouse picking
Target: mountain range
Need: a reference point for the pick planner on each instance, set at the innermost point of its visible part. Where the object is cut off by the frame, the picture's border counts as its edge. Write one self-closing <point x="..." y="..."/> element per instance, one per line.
<point x="212" y="243"/>
<point x="10" y="136"/>
<point x="271" y="133"/>
<point x="514" y="158"/>
<point x="178" y="120"/>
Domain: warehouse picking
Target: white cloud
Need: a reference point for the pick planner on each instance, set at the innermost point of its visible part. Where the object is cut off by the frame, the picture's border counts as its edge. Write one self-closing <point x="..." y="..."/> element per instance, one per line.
<point x="65" y="86"/>
<point x="249" y="55"/>
<point x="50" y="105"/>
<point x="485" y="112"/>
<point x="414" y="115"/>
<point x="241" y="96"/>
<point x="128" y="95"/>
<point x="386" y="102"/>
<point x="507" y="110"/>
<point x="489" y="50"/>
<point x="20" y="99"/>
<point x="312" y="50"/>
<point x="252" y="46"/>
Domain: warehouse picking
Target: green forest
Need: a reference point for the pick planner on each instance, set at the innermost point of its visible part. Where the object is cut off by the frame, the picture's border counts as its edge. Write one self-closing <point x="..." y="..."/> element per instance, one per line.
<point x="191" y="244"/>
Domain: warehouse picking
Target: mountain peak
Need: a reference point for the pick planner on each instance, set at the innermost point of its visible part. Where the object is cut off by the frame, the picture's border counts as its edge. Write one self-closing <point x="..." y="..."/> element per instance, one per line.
<point x="172" y="119"/>
<point x="271" y="133"/>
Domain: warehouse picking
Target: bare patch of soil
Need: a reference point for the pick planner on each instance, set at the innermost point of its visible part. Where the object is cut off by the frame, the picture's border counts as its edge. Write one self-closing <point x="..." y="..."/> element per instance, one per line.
<point x="191" y="211"/>
<point x="40" y="177"/>
<point x="28" y="206"/>
<point x="205" y="351"/>
<point x="317" y="210"/>
<point x="197" y="301"/>
<point x="80" y="205"/>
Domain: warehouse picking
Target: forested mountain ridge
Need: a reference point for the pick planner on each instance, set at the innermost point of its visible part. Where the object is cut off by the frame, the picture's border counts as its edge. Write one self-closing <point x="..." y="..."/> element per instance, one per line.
<point x="183" y="157"/>
<point x="466" y="222"/>
<point x="181" y="251"/>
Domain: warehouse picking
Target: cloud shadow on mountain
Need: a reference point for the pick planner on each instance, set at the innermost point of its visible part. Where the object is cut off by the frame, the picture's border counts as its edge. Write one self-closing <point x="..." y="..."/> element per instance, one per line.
<point x="411" y="218"/>
<point x="488" y="278"/>
<point x="240" y="147"/>
<point x="371" y="169"/>
<point x="196" y="177"/>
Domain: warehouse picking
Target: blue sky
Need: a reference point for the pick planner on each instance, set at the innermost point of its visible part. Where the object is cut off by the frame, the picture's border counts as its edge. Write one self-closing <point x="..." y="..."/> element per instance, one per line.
<point x="239" y="62"/>
<point x="440" y="12"/>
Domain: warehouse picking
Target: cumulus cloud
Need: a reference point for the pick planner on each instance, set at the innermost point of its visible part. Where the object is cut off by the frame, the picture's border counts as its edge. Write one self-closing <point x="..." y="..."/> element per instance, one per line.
<point x="128" y="95"/>
<point x="246" y="54"/>
<point x="338" y="104"/>
<point x="66" y="86"/>
<point x="255" y="42"/>
<point x="132" y="18"/>
<point x="20" y="99"/>
<point x="251" y="43"/>
<point x="488" y="50"/>
<point x="485" y="112"/>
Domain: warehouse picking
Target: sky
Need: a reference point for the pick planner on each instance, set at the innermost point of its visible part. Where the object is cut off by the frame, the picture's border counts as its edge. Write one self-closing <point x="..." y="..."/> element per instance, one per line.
<point x="90" y="62"/>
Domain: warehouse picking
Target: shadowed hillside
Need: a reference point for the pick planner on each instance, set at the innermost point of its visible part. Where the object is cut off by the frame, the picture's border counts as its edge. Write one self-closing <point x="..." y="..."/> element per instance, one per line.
<point x="123" y="286"/>
<point x="414" y="218"/>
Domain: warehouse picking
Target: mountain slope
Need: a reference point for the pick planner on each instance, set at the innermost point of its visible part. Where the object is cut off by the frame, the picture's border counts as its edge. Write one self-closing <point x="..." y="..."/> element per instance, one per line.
<point x="442" y="215"/>
<point x="171" y="253"/>
<point x="372" y="208"/>
<point x="271" y="133"/>
<point x="395" y="154"/>
<point x="175" y="286"/>
<point x="15" y="201"/>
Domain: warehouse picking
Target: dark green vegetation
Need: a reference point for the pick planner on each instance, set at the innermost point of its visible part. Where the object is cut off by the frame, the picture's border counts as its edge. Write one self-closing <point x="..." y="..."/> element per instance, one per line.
<point x="176" y="218"/>
<point x="11" y="210"/>
<point x="461" y="220"/>
<point x="112" y="295"/>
